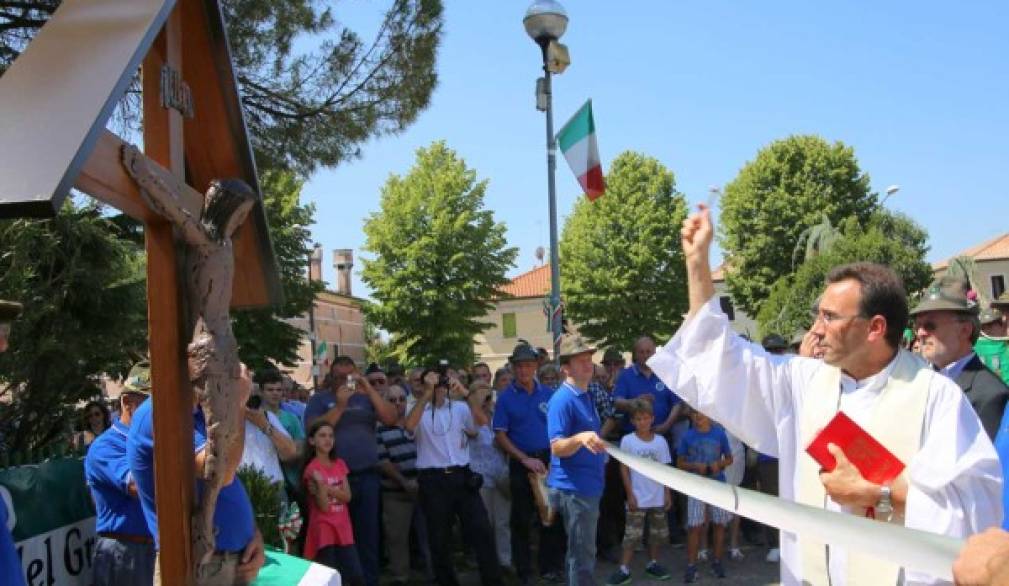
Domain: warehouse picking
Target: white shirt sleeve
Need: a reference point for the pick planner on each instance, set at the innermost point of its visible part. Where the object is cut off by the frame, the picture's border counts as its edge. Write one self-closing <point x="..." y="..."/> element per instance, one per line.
<point x="733" y="381"/>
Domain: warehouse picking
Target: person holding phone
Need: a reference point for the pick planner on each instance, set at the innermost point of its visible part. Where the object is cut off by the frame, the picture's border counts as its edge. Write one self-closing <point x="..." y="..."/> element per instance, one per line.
<point x="353" y="407"/>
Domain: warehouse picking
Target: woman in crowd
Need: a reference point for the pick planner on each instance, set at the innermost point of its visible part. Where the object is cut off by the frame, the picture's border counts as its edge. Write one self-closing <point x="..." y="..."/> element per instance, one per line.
<point x="490" y="462"/>
<point x="502" y="378"/>
<point x="96" y="420"/>
<point x="330" y="539"/>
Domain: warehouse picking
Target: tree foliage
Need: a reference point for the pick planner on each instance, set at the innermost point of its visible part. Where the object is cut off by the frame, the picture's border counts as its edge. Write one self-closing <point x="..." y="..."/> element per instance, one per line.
<point x="890" y="239"/>
<point x="82" y="284"/>
<point x="305" y="108"/>
<point x="264" y="335"/>
<point x="439" y="258"/>
<point x="622" y="270"/>
<point x="790" y="186"/>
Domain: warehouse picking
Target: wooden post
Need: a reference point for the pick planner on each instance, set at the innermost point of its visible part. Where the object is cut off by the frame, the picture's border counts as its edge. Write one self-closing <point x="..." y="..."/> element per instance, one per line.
<point x="173" y="396"/>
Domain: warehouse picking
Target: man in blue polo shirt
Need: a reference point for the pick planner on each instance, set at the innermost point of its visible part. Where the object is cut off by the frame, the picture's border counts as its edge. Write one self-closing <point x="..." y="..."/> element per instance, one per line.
<point x="637" y="380"/>
<point x="10" y="563"/>
<point x="124" y="548"/>
<point x="577" y="458"/>
<point x="520" y="427"/>
<point x="239" y="548"/>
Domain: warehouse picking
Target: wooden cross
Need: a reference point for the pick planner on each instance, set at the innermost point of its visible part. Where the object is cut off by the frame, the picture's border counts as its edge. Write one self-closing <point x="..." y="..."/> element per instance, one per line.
<point x="55" y="101"/>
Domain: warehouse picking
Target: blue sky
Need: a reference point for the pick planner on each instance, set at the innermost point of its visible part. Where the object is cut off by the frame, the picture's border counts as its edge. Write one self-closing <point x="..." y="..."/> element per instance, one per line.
<point x="919" y="89"/>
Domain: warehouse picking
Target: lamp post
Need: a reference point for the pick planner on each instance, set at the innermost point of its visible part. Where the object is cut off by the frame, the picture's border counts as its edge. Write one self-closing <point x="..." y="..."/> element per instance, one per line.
<point x="889" y="191"/>
<point x="545" y="22"/>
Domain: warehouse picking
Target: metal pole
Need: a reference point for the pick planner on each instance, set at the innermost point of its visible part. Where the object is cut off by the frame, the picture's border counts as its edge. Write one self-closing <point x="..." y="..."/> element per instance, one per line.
<point x="311" y="327"/>
<point x="555" y="270"/>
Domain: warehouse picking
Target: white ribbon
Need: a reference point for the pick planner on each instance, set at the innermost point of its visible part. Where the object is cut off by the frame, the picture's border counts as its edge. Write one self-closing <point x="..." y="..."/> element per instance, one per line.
<point x="913" y="549"/>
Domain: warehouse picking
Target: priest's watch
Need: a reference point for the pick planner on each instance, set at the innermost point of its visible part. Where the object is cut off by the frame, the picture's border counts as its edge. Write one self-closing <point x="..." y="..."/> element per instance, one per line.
<point x="884" y="507"/>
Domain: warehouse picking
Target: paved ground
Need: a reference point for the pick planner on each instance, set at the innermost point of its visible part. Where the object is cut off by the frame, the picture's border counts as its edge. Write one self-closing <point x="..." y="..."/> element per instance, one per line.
<point x="752" y="570"/>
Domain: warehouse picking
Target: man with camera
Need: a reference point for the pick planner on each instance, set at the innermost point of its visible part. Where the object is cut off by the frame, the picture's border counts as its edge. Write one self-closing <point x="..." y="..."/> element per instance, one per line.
<point x="267" y="441"/>
<point x="444" y="418"/>
<point x="353" y="407"/>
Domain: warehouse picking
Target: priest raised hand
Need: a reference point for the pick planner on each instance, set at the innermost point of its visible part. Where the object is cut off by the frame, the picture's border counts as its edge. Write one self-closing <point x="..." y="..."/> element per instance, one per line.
<point x="776" y="404"/>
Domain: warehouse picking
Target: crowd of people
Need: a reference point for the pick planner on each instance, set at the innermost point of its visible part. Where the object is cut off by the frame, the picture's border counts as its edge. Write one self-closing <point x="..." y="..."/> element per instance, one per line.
<point x="416" y="468"/>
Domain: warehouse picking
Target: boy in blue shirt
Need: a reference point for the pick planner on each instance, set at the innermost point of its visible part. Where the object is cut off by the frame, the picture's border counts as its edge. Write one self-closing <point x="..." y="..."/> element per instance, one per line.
<point x="704" y="449"/>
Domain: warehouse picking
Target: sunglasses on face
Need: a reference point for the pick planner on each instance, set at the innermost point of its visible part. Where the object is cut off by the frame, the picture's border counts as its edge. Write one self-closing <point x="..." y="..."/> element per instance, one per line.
<point x="377" y="381"/>
<point x="397" y="399"/>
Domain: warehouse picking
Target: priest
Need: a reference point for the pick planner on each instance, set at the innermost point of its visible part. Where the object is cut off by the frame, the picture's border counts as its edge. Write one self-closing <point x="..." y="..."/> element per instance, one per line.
<point x="777" y="404"/>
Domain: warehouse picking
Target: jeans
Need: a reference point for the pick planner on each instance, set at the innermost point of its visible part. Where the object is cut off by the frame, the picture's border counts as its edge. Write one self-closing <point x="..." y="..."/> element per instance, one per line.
<point x="123" y="563"/>
<point x="366" y="490"/>
<point x="580" y="514"/>
<point x="446" y="495"/>
<point x="523" y="516"/>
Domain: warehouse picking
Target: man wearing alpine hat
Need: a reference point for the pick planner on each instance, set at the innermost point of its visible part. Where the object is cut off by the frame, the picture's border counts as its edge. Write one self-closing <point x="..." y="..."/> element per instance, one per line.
<point x="946" y="323"/>
<point x="577" y="458"/>
<point x="124" y="550"/>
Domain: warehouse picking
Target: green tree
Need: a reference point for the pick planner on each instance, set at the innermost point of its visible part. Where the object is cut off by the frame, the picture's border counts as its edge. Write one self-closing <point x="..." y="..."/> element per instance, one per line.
<point x="439" y="258"/>
<point x="264" y="335"/>
<point x="890" y="239"/>
<point x="789" y="187"/>
<point x="622" y="266"/>
<point x="305" y="108"/>
<point x="82" y="284"/>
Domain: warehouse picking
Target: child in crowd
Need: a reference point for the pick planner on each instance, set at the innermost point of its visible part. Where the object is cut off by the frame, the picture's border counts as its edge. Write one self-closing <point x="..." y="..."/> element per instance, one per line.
<point x="330" y="539"/>
<point x="646" y="499"/>
<point x="704" y="449"/>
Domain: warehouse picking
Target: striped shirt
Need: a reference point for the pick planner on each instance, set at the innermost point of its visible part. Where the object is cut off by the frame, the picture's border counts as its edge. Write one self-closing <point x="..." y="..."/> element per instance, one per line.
<point x="396" y="445"/>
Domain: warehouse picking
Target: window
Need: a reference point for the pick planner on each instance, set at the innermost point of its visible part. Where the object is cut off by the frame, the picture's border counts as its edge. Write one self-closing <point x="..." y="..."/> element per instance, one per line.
<point x="726" y="302"/>
<point x="997" y="286"/>
<point x="508" y="325"/>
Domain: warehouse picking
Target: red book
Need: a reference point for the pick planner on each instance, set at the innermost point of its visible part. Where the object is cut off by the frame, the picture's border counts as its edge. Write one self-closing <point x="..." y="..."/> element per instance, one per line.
<point x="876" y="463"/>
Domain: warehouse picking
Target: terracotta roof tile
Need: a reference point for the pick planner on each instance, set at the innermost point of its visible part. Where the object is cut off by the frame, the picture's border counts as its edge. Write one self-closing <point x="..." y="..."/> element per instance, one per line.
<point x="995" y="249"/>
<point x="534" y="283"/>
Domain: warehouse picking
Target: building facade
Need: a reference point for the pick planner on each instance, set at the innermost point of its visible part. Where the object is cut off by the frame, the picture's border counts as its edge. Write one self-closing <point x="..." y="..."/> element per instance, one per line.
<point x="991" y="266"/>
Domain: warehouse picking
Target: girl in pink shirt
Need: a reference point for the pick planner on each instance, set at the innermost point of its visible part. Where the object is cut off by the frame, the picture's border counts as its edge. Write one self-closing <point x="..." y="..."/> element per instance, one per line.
<point x="330" y="538"/>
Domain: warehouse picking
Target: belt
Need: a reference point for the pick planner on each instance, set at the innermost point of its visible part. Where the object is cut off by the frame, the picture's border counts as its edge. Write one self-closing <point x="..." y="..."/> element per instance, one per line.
<point x="447" y="470"/>
<point x="141" y="539"/>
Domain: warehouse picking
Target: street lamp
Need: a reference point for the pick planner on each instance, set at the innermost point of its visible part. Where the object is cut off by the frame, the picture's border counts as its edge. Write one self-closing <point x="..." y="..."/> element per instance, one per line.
<point x="889" y="191"/>
<point x="545" y="22"/>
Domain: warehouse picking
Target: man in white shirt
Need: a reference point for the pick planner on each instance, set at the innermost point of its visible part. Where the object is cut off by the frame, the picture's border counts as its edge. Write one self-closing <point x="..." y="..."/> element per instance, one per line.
<point x="952" y="482"/>
<point x="267" y="444"/>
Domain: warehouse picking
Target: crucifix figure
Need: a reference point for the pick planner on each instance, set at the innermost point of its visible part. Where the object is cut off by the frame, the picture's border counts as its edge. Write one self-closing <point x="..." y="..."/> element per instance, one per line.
<point x="213" y="351"/>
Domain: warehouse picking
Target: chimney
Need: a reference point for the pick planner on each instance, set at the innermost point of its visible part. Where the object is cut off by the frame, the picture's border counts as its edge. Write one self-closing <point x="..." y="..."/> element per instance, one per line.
<point x="315" y="264"/>
<point x="343" y="260"/>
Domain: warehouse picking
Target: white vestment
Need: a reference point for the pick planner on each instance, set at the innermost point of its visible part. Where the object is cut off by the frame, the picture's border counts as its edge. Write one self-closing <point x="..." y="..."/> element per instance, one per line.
<point x="954" y="482"/>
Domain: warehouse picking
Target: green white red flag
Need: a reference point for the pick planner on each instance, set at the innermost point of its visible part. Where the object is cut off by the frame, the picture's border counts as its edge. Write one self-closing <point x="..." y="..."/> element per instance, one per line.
<point x="577" y="140"/>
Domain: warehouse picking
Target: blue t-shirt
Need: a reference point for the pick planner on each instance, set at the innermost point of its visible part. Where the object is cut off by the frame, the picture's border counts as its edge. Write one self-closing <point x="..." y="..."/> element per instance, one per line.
<point x="354" y="435"/>
<point x="107" y="472"/>
<point x="233" y="518"/>
<point x="631" y="384"/>
<point x="523" y="416"/>
<point x="704" y="447"/>
<point x="10" y="564"/>
<point x="571" y="412"/>
<point x="1002" y="449"/>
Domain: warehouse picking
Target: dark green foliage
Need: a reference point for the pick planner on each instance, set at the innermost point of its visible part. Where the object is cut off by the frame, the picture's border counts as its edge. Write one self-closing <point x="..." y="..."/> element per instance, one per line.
<point x="890" y="239"/>
<point x="263" y="335"/>
<point x="82" y="285"/>
<point x="265" y="498"/>
<point x="439" y="258"/>
<point x="622" y="271"/>
<point x="791" y="186"/>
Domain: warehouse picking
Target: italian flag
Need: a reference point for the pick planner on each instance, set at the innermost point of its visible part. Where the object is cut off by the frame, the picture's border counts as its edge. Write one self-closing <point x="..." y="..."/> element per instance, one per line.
<point x="281" y="569"/>
<point x="578" y="143"/>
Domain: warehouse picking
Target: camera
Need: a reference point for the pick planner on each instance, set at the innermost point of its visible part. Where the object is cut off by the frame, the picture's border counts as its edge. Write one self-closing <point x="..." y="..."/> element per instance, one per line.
<point x="443" y="372"/>
<point x="254" y="402"/>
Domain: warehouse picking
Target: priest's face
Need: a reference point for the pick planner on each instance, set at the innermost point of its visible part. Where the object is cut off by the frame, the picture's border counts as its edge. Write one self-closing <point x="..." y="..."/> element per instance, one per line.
<point x="842" y="329"/>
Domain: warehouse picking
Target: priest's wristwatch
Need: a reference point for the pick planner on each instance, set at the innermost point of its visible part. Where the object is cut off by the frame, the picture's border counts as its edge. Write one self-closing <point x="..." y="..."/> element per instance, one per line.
<point x="884" y="507"/>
